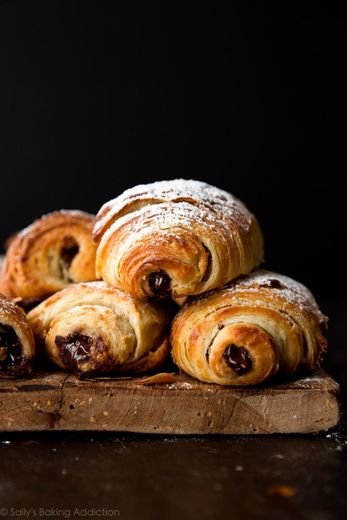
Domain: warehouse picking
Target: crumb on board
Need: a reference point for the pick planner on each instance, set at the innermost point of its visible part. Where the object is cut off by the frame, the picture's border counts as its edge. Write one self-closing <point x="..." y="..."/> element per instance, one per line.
<point x="281" y="490"/>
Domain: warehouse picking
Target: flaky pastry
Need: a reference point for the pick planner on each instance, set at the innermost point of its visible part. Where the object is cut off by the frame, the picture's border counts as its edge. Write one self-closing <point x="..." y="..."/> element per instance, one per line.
<point x="247" y="331"/>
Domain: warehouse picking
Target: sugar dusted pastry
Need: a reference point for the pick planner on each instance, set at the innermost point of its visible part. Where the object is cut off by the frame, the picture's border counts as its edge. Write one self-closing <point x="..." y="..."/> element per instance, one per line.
<point x="17" y="347"/>
<point x="50" y="254"/>
<point x="172" y="239"/>
<point x="249" y="330"/>
<point x="94" y="328"/>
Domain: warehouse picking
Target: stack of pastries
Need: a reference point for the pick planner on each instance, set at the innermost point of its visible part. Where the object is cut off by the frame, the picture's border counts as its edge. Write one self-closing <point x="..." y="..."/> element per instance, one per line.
<point x="164" y="268"/>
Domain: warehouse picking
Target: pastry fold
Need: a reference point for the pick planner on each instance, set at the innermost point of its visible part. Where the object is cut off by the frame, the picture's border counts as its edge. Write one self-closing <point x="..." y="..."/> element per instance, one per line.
<point x="247" y="331"/>
<point x="173" y="239"/>
<point x="92" y="328"/>
<point x="50" y="254"/>
<point x="17" y="346"/>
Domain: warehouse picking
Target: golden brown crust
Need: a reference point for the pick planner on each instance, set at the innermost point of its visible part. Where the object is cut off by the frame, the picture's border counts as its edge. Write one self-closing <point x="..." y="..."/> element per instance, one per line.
<point x="245" y="332"/>
<point x="17" y="347"/>
<point x="191" y="235"/>
<point x="94" y="328"/>
<point x="53" y="252"/>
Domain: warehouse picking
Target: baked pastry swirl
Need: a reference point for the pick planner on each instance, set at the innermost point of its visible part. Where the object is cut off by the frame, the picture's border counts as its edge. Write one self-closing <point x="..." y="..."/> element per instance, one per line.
<point x="17" y="347"/>
<point x="172" y="239"/>
<point x="50" y="254"/>
<point x="247" y="331"/>
<point x="94" y="328"/>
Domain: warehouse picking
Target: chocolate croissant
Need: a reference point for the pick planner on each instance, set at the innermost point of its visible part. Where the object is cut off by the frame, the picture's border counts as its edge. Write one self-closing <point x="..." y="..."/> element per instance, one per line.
<point x="50" y="254"/>
<point x="247" y="331"/>
<point x="92" y="328"/>
<point x="172" y="239"/>
<point x="17" y="347"/>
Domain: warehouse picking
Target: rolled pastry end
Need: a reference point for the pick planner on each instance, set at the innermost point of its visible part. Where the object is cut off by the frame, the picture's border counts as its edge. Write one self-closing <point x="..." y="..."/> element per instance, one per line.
<point x="78" y="344"/>
<point x="54" y="252"/>
<point x="93" y="329"/>
<point x="11" y="358"/>
<point x="242" y="354"/>
<point x="87" y="355"/>
<point x="16" y="341"/>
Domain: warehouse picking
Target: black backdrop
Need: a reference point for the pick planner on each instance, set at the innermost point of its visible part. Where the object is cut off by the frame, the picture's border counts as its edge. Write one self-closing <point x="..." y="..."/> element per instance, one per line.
<point x="93" y="101"/>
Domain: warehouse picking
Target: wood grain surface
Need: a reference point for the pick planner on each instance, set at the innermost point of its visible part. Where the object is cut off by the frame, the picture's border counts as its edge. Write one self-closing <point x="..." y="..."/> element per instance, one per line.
<point x="60" y="401"/>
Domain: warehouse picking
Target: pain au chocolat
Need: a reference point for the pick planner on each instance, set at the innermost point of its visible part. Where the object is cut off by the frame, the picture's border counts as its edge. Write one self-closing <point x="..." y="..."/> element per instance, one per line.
<point x="17" y="347"/>
<point x="50" y="254"/>
<point x="92" y="328"/>
<point x="173" y="239"/>
<point x="244" y="333"/>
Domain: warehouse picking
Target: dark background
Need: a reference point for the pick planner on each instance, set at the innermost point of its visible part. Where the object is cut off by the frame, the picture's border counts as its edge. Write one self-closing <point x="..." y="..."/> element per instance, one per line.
<point x="94" y="100"/>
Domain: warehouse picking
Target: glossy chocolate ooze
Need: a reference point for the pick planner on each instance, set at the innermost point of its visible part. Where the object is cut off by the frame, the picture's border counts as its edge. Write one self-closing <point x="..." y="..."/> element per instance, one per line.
<point x="11" y="357"/>
<point x="160" y="284"/>
<point x="75" y="348"/>
<point x="238" y="359"/>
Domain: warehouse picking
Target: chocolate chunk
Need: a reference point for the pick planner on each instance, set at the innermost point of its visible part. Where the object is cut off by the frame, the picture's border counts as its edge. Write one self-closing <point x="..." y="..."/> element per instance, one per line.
<point x="160" y="284"/>
<point x="11" y="357"/>
<point x="276" y="284"/>
<point x="75" y="348"/>
<point x="273" y="283"/>
<point x="238" y="359"/>
<point x="69" y="251"/>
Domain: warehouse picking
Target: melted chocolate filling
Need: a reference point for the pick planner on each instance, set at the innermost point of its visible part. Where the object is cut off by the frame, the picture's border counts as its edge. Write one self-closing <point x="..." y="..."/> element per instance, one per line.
<point x="160" y="285"/>
<point x="68" y="252"/>
<point x="276" y="284"/>
<point x="11" y="358"/>
<point x="74" y="348"/>
<point x="238" y="359"/>
<point x="79" y="348"/>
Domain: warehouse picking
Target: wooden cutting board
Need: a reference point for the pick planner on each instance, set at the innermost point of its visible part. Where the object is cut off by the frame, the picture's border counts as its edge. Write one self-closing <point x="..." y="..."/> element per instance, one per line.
<point x="57" y="401"/>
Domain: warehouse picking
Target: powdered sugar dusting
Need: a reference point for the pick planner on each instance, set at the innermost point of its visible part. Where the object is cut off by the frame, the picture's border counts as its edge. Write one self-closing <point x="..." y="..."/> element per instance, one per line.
<point x="180" y="385"/>
<point x="192" y="192"/>
<point x="292" y="290"/>
<point x="168" y="217"/>
<point x="177" y="189"/>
